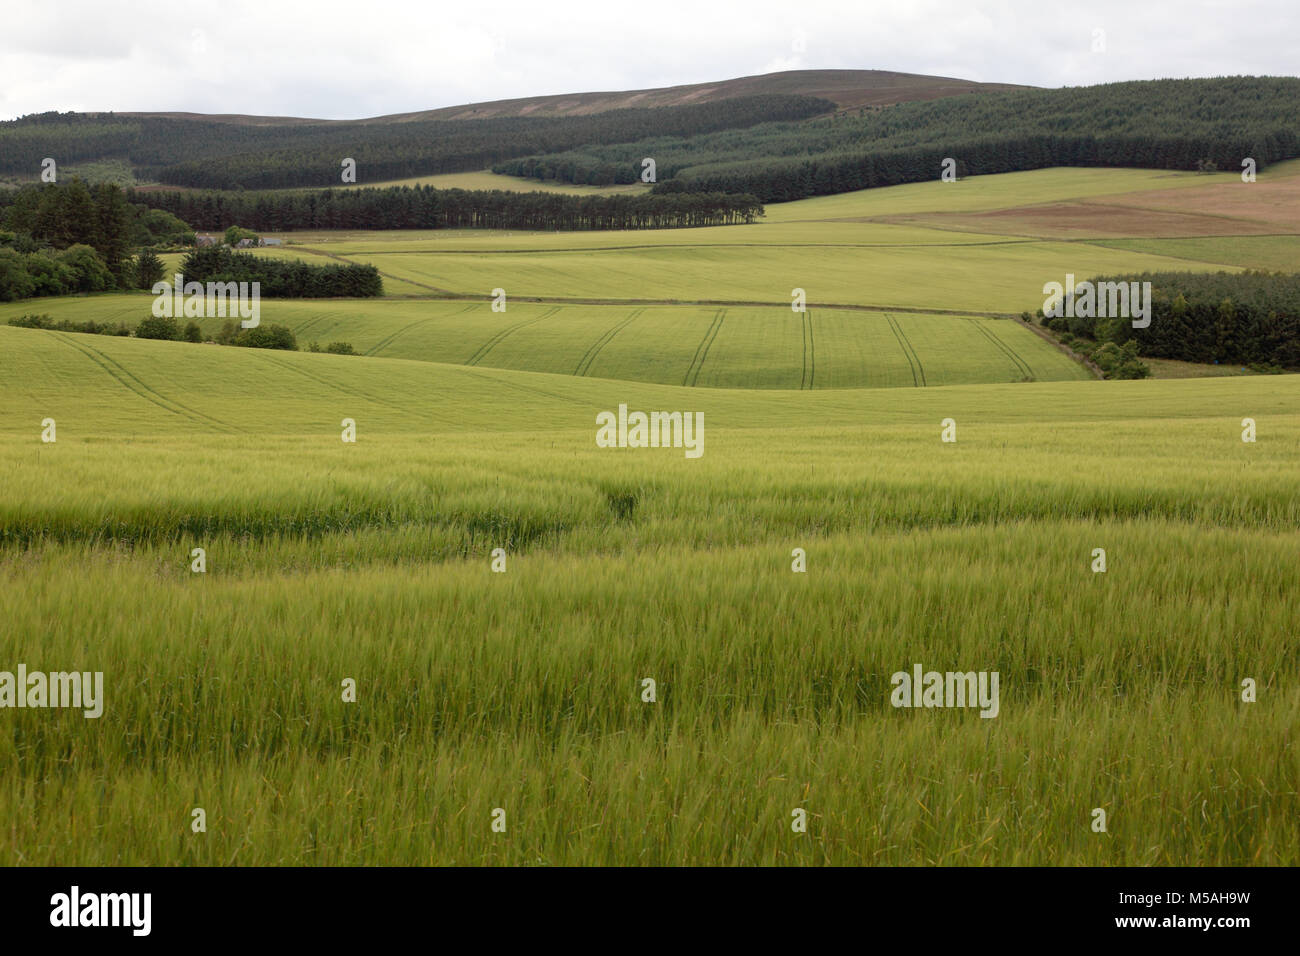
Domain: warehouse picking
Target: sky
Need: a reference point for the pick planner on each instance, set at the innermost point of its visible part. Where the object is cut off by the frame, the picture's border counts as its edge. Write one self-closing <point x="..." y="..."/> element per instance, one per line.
<point x="346" y="60"/>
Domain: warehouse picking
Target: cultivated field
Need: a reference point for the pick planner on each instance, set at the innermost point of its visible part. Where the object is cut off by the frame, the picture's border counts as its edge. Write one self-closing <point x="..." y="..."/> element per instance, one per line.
<point x="739" y="347"/>
<point x="524" y="689"/>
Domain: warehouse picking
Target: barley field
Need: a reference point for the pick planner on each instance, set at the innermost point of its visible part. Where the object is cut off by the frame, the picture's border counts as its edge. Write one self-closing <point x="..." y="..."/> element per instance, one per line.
<point x="474" y="614"/>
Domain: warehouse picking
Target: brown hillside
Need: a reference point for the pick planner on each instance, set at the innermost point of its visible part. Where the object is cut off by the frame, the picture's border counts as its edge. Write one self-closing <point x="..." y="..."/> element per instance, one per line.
<point x="849" y="89"/>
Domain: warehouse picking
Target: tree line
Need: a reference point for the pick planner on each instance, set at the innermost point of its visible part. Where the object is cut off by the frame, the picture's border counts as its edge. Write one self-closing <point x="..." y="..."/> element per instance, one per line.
<point x="170" y="330"/>
<point x="212" y="154"/>
<point x="424" y="207"/>
<point x="282" y="279"/>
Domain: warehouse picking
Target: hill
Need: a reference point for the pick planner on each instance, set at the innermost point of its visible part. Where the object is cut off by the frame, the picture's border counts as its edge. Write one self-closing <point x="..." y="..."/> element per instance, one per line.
<point x="847" y="89"/>
<point x="1160" y="124"/>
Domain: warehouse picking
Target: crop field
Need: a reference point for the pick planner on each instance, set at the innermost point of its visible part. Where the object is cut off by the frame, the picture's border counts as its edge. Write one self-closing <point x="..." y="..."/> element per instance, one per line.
<point x="522" y="690"/>
<point x="638" y="654"/>
<point x="985" y="245"/>
<point x="744" y="347"/>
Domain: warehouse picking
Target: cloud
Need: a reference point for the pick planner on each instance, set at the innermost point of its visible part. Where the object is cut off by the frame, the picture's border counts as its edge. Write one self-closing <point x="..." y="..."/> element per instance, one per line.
<point x="338" y="60"/>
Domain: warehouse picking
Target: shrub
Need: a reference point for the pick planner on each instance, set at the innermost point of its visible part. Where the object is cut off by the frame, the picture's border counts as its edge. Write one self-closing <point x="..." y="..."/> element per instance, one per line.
<point x="158" y="328"/>
<point x="91" y="273"/>
<point x="266" y="337"/>
<point x="15" y="283"/>
<point x="340" y="348"/>
<point x="33" y="321"/>
<point x="50" y="276"/>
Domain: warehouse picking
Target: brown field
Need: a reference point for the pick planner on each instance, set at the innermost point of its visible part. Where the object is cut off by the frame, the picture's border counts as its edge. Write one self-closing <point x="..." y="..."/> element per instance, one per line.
<point x="1269" y="202"/>
<point x="1096" y="220"/>
<point x="1263" y="208"/>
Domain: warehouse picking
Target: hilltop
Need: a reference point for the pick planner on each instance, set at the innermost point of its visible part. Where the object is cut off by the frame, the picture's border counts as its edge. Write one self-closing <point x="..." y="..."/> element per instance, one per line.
<point x="847" y="89"/>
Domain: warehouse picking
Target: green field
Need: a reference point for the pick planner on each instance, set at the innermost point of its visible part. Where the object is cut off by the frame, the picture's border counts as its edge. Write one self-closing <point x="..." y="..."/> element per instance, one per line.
<point x="744" y="347"/>
<point x="836" y="248"/>
<point x="521" y="690"/>
<point x="372" y="561"/>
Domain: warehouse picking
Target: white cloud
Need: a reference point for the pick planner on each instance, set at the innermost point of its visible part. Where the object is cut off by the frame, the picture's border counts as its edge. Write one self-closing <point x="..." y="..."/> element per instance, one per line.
<point x="340" y="60"/>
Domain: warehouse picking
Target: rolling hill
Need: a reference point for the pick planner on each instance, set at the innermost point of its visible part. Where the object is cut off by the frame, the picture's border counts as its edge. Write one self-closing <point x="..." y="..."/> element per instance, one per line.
<point x="847" y="89"/>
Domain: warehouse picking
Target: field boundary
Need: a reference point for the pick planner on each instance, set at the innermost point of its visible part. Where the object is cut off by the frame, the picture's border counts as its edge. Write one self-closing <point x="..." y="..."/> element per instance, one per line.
<point x="1093" y="368"/>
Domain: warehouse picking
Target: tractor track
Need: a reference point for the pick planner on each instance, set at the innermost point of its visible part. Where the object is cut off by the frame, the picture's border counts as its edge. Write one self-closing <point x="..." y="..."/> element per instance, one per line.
<point x="584" y="364"/>
<point x="702" y="350"/>
<point x="909" y="353"/>
<point x="504" y="334"/>
<point x="125" y="378"/>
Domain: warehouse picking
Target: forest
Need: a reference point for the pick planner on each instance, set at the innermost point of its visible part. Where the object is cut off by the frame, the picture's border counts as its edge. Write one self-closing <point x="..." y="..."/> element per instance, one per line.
<point x="212" y="154"/>
<point x="1161" y="124"/>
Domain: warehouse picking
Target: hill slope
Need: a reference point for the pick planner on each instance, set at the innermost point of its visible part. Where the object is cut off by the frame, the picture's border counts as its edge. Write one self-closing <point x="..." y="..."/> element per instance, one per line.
<point x="847" y="89"/>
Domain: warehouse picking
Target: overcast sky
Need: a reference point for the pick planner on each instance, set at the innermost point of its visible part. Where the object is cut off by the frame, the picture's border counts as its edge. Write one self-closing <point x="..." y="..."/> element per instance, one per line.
<point x="335" y="60"/>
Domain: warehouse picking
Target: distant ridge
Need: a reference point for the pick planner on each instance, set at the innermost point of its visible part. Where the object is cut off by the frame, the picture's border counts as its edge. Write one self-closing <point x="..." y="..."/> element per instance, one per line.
<point x="848" y="89"/>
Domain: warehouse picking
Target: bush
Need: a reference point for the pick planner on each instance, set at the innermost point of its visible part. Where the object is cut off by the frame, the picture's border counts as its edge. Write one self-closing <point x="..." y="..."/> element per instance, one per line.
<point x="193" y="333"/>
<point x="51" y="277"/>
<point x="63" y="325"/>
<point x="235" y="234"/>
<point x="15" y="283"/>
<point x="156" y="328"/>
<point x="91" y="273"/>
<point x="1120" y="361"/>
<point x="266" y="337"/>
<point x="340" y="348"/>
<point x="32" y="321"/>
